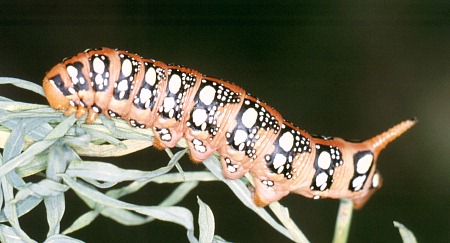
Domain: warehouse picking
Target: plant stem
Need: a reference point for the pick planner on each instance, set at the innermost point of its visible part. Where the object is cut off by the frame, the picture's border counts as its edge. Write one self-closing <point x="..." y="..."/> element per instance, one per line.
<point x="343" y="221"/>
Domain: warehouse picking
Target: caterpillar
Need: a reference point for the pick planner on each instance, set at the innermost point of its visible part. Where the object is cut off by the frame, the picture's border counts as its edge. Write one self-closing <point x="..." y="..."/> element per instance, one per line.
<point x="216" y="115"/>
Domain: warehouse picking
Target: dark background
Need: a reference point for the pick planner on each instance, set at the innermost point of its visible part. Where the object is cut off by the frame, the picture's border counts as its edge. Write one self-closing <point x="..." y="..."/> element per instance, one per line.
<point x="348" y="69"/>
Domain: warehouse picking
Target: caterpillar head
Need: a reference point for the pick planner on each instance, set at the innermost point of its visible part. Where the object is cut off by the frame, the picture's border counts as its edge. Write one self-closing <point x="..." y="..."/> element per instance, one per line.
<point x="57" y="89"/>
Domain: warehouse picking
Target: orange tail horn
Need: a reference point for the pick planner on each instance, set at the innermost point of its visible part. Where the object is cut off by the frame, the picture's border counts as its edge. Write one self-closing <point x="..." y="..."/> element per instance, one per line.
<point x="379" y="142"/>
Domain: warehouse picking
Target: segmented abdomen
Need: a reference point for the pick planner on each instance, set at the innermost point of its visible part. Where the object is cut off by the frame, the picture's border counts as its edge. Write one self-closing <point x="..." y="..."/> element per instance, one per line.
<point x="215" y="115"/>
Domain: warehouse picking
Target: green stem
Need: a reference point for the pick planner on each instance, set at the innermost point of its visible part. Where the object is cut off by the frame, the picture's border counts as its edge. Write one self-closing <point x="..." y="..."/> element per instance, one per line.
<point x="343" y="221"/>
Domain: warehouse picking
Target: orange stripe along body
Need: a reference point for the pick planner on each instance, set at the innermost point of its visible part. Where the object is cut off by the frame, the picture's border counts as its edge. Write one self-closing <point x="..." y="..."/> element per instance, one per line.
<point x="215" y="115"/>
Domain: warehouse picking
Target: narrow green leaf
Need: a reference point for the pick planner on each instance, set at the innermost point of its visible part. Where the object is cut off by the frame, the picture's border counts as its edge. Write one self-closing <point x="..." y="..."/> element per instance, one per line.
<point x="205" y="222"/>
<point x="111" y="173"/>
<point x="43" y="188"/>
<point x="58" y="158"/>
<point x="46" y="113"/>
<point x="62" y="128"/>
<point x="107" y="137"/>
<point x="23" y="84"/>
<point x="103" y="150"/>
<point x="105" y="172"/>
<point x="173" y="214"/>
<point x="405" y="233"/>
<point x="15" y="142"/>
<point x="282" y="214"/>
<point x="241" y="191"/>
<point x="10" y="210"/>
<point x="125" y="217"/>
<point x="117" y="131"/>
<point x="18" y="106"/>
<point x="37" y="133"/>
<point x="82" y="221"/>
<point x="177" y="165"/>
<point x="2" y="98"/>
<point x="37" y="147"/>
<point x="179" y="193"/>
<point x="26" y="156"/>
<point x="80" y="141"/>
<point x="218" y="239"/>
<point x="128" y="132"/>
<point x="23" y="207"/>
<point x="7" y="234"/>
<point x="55" y="207"/>
<point x="61" y="239"/>
<point x="15" y="180"/>
<point x="37" y="164"/>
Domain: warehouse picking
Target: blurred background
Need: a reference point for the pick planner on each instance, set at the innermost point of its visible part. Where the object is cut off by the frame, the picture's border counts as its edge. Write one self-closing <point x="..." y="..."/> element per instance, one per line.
<point x="347" y="69"/>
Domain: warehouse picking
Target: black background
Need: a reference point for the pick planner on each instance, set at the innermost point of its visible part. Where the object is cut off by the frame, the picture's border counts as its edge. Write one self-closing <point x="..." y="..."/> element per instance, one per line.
<point x="347" y="69"/>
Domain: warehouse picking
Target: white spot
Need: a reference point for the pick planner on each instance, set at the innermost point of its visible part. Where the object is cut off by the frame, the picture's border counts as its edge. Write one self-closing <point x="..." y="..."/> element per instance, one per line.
<point x="73" y="72"/>
<point x="239" y="137"/>
<point x="171" y="113"/>
<point x="249" y="117"/>
<point x="174" y="84"/>
<point x="169" y="103"/>
<point x="98" y="65"/>
<point x="279" y="160"/>
<point x="200" y="148"/>
<point x="199" y="116"/>
<point x="72" y="91"/>
<point x="147" y="104"/>
<point x="126" y="67"/>
<point x="364" y="163"/>
<point x="286" y="141"/>
<point x="145" y="95"/>
<point x="166" y="137"/>
<point x="99" y="80"/>
<point x="150" y="76"/>
<point x="324" y="160"/>
<point x="207" y="95"/>
<point x="198" y="145"/>
<point x="321" y="179"/>
<point x="123" y="85"/>
<point x="231" y="168"/>
<point x="375" y="180"/>
<point x="357" y="183"/>
<point x="268" y="183"/>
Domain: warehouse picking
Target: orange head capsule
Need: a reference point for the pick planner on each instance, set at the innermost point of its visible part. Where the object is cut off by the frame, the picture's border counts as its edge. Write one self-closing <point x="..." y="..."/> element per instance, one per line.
<point x="57" y="89"/>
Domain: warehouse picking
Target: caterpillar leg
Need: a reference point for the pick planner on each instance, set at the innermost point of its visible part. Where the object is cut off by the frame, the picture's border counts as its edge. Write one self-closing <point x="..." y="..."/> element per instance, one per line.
<point x="71" y="110"/>
<point x="265" y="192"/>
